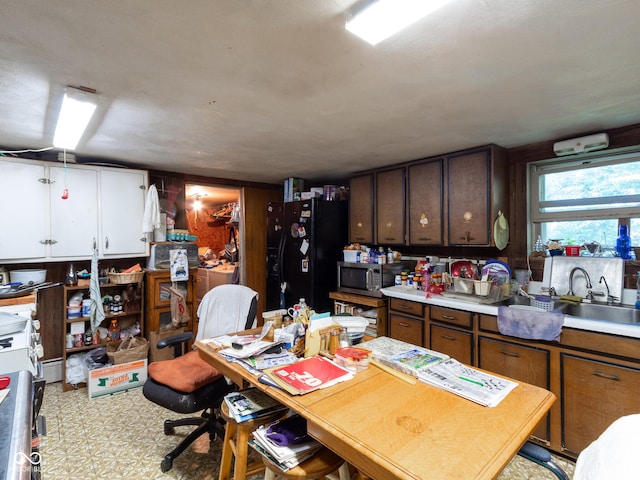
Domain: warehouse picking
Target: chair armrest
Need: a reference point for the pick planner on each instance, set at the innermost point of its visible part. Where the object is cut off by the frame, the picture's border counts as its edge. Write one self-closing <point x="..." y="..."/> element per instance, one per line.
<point x="175" y="339"/>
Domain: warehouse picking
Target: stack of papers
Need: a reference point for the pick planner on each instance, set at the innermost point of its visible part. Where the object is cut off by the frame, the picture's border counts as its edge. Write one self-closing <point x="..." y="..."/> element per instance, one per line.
<point x="402" y="356"/>
<point x="285" y="457"/>
<point x="480" y="387"/>
<point x="251" y="403"/>
<point x="439" y="370"/>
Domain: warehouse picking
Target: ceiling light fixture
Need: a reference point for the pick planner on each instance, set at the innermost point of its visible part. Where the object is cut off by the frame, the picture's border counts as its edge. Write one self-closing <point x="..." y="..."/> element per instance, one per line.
<point x="197" y="203"/>
<point x="78" y="106"/>
<point x="375" y="20"/>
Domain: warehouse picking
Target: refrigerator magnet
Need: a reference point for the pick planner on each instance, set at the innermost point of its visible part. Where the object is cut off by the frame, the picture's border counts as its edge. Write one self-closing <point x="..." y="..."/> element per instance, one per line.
<point x="304" y="247"/>
<point x="305" y="213"/>
<point x="305" y="265"/>
<point x="302" y="232"/>
<point x="294" y="230"/>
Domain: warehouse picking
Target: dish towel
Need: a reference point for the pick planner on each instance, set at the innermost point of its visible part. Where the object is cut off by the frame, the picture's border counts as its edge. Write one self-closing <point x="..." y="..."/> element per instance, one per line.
<point x="151" y="217"/>
<point x="96" y="311"/>
<point x="530" y="324"/>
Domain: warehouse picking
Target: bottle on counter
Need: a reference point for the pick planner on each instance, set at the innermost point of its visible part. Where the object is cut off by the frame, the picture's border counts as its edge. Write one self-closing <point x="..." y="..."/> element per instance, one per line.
<point x="389" y="255"/>
<point x="623" y="243"/>
<point x="71" y="276"/>
<point x="114" y="329"/>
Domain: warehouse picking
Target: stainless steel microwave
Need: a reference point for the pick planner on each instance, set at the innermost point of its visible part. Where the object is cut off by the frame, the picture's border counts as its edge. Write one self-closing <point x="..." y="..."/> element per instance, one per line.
<point x="367" y="278"/>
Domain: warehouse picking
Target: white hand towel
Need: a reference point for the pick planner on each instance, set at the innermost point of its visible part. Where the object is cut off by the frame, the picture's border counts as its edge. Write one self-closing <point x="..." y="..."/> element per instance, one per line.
<point x="151" y="217"/>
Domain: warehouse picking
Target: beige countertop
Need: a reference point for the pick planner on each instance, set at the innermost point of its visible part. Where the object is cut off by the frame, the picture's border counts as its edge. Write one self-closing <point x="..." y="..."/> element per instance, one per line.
<point x="414" y="295"/>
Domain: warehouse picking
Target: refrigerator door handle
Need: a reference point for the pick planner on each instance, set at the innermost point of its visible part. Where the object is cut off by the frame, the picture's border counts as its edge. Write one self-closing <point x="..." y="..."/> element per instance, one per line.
<point x="281" y="245"/>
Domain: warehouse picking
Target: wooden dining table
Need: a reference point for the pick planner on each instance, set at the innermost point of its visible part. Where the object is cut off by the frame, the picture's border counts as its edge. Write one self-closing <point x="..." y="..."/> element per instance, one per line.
<point x="389" y="428"/>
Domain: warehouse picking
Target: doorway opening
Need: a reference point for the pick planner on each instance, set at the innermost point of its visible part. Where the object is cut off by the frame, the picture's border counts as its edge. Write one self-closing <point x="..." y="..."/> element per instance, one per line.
<point x="214" y="215"/>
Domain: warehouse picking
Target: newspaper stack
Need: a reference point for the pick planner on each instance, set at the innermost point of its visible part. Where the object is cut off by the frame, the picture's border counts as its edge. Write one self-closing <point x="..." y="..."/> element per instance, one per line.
<point x="284" y="451"/>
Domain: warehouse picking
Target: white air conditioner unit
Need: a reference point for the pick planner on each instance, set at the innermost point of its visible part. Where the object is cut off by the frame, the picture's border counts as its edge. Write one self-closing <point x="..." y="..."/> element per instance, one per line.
<point x="581" y="144"/>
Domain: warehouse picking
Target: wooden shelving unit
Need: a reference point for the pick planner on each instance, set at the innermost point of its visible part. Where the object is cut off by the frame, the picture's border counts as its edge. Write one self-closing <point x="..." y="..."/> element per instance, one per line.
<point x="125" y="319"/>
<point x="380" y="304"/>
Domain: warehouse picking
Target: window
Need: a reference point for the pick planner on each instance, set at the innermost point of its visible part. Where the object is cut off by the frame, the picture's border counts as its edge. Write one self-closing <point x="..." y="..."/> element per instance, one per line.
<point x="584" y="200"/>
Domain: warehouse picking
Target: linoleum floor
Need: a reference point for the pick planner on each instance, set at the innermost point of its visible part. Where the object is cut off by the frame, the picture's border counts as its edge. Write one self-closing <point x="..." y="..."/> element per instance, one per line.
<point x="121" y="437"/>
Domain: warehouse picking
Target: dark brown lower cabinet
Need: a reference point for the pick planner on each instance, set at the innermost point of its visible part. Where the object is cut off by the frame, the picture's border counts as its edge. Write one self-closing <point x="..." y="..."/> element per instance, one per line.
<point x="595" y="393"/>
<point x="527" y="364"/>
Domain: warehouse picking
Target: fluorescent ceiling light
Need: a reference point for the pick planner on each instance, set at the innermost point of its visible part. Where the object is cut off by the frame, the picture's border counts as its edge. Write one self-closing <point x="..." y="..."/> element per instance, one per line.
<point x="376" y="20"/>
<point x="76" y="111"/>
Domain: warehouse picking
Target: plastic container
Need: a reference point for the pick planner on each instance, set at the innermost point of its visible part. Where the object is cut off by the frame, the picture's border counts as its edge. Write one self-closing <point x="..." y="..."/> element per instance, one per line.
<point x="481" y="288"/>
<point x="545" y="303"/>
<point x="350" y="255"/>
<point x="27" y="275"/>
<point x="463" y="285"/>
<point x="86" y="307"/>
<point x="572" y="251"/>
<point x="354" y="359"/>
<point x="522" y="276"/>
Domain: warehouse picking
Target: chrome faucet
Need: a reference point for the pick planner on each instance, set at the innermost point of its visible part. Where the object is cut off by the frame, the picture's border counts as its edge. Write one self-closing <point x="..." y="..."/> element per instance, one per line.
<point x="610" y="298"/>
<point x="586" y="276"/>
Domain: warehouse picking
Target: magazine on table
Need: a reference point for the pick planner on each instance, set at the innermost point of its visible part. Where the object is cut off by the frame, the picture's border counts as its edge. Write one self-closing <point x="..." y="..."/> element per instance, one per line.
<point x="403" y="356"/>
<point x="251" y="403"/>
<point x="441" y="371"/>
<point x="480" y="387"/>
<point x="308" y="375"/>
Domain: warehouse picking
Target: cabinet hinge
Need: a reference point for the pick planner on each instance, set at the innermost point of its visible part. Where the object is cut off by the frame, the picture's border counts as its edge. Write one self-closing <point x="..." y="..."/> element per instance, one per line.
<point x="46" y="181"/>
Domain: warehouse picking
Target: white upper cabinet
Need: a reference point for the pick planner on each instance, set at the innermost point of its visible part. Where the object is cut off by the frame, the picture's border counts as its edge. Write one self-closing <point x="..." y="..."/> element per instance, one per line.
<point x="74" y="220"/>
<point x="122" y="199"/>
<point x="24" y="216"/>
<point x="103" y="209"/>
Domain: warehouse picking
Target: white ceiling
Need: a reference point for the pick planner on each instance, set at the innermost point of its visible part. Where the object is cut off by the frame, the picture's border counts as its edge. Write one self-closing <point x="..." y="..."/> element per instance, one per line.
<point x="265" y="89"/>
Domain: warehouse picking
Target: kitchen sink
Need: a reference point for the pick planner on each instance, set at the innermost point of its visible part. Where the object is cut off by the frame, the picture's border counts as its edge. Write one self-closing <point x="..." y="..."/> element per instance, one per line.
<point x="609" y="313"/>
<point x="592" y="311"/>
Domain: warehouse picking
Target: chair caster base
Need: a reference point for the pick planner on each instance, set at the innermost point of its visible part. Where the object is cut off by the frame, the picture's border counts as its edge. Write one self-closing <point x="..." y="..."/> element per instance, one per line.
<point x="169" y="430"/>
<point x="166" y="464"/>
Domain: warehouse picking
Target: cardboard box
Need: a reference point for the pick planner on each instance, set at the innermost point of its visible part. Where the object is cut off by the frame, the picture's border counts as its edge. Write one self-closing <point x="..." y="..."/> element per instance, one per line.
<point x="117" y="378"/>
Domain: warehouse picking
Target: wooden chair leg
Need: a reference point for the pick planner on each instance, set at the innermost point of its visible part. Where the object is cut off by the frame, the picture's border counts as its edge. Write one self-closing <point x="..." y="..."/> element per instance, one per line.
<point x="227" y="451"/>
<point x="242" y="453"/>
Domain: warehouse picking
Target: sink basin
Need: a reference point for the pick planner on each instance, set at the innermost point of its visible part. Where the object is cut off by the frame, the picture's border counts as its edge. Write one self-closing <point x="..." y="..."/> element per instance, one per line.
<point x="609" y="313"/>
<point x="591" y="311"/>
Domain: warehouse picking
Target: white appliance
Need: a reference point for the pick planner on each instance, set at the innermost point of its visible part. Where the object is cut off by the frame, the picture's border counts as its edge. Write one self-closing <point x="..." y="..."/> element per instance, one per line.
<point x="25" y="350"/>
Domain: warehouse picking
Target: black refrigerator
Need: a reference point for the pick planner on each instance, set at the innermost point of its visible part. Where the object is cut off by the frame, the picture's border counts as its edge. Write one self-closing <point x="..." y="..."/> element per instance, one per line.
<point x="305" y="240"/>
